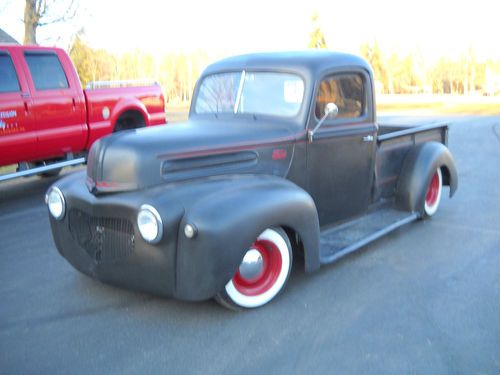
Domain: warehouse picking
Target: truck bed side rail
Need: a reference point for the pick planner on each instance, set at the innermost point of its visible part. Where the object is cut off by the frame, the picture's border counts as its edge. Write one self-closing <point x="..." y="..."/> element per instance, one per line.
<point x="413" y="130"/>
<point x="124" y="83"/>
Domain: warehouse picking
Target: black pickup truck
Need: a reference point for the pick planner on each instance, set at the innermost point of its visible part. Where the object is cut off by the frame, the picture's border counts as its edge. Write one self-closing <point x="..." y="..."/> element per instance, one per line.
<point x="282" y="156"/>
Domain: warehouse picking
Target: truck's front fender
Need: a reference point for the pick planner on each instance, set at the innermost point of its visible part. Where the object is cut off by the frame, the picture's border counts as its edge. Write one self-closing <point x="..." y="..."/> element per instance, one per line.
<point x="418" y="168"/>
<point x="229" y="220"/>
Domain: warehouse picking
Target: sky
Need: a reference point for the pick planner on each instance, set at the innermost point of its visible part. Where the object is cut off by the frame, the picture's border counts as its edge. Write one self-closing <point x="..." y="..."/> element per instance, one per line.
<point x="434" y="27"/>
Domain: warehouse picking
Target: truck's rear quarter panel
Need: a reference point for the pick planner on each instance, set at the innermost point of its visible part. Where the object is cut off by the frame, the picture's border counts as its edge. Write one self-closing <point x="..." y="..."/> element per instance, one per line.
<point x="394" y="142"/>
<point x="106" y="105"/>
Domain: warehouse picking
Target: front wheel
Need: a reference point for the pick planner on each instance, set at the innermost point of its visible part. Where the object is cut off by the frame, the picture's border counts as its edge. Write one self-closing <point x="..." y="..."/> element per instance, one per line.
<point x="433" y="194"/>
<point x="262" y="273"/>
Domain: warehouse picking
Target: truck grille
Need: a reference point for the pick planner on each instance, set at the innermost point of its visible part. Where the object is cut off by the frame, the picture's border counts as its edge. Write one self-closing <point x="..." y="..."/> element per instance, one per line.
<point x="103" y="238"/>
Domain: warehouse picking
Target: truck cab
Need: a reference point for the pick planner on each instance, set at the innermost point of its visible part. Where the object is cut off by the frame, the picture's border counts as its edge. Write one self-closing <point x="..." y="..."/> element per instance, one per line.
<point x="49" y="107"/>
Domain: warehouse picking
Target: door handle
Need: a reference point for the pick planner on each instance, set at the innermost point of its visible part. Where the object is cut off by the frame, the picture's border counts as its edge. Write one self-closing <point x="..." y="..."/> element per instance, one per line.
<point x="368" y="138"/>
<point x="74" y="104"/>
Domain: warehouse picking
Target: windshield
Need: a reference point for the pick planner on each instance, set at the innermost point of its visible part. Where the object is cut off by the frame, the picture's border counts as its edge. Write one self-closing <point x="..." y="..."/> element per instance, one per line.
<point x="260" y="93"/>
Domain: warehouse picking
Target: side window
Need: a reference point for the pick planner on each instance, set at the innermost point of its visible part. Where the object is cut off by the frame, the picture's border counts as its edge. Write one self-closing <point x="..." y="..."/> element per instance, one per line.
<point x="346" y="91"/>
<point x="8" y="76"/>
<point x="46" y="71"/>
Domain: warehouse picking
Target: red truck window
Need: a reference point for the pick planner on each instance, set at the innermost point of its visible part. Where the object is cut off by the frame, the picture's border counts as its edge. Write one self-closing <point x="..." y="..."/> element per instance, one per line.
<point x="8" y="77"/>
<point x="46" y="70"/>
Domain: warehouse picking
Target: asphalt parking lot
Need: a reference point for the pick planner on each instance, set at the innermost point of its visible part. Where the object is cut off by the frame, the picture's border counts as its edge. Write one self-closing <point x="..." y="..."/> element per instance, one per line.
<point x="423" y="300"/>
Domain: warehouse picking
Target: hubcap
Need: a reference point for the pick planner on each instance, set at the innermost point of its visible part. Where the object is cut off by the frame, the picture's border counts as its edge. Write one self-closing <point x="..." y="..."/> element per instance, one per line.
<point x="259" y="269"/>
<point x="252" y="265"/>
<point x="433" y="191"/>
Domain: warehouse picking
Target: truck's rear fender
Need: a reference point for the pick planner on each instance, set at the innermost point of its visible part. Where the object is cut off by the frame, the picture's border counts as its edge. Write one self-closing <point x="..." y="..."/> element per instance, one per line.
<point x="103" y="112"/>
<point x="126" y="105"/>
<point x="229" y="220"/>
<point x="418" y="168"/>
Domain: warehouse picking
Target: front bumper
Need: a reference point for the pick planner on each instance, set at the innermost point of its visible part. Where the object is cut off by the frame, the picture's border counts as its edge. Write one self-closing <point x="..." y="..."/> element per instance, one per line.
<point x="99" y="237"/>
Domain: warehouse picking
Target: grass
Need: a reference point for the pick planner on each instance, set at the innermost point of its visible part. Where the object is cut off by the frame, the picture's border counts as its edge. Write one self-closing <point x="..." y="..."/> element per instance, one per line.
<point x="7" y="169"/>
<point x="177" y="114"/>
<point x="439" y="104"/>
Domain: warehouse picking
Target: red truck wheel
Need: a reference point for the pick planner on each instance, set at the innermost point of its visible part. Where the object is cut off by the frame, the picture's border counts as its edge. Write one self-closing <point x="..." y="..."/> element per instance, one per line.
<point x="262" y="274"/>
<point x="129" y="120"/>
<point x="433" y="194"/>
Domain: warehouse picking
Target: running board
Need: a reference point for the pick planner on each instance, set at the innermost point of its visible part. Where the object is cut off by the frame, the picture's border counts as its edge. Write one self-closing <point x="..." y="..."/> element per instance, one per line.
<point x="351" y="236"/>
<point x="45" y="168"/>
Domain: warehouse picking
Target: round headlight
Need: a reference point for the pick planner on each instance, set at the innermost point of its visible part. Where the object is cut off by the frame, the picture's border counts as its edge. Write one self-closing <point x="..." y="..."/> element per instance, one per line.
<point x="150" y="224"/>
<point x="55" y="202"/>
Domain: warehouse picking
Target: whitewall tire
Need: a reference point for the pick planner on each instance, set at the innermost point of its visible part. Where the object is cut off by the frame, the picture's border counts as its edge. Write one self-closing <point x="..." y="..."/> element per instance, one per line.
<point x="433" y="194"/>
<point x="262" y="274"/>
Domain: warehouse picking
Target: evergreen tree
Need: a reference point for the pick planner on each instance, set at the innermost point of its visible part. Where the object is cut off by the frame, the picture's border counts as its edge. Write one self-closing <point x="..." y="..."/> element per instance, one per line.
<point x="317" y="38"/>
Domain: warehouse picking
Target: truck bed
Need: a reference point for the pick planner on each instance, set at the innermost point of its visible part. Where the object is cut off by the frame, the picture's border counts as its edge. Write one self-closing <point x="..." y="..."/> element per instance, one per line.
<point x="124" y="98"/>
<point x="393" y="143"/>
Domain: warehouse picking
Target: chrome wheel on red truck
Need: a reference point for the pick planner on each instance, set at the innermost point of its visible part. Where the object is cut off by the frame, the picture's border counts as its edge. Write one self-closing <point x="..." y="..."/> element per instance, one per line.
<point x="262" y="273"/>
<point x="433" y="194"/>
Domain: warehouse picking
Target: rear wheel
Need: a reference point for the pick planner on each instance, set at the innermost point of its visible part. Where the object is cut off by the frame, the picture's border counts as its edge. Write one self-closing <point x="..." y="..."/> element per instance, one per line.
<point x="129" y="120"/>
<point x="433" y="194"/>
<point x="262" y="273"/>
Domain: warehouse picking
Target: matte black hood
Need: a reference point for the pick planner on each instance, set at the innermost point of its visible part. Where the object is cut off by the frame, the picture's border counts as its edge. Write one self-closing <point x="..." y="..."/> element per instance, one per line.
<point x="146" y="157"/>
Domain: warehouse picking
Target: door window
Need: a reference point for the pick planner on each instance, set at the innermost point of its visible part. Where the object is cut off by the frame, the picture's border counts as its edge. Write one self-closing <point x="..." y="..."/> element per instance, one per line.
<point x="8" y="76"/>
<point x="46" y="71"/>
<point x="346" y="91"/>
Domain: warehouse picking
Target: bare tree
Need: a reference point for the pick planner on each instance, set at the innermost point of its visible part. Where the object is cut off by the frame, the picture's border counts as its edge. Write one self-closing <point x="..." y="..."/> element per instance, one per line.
<point x="39" y="13"/>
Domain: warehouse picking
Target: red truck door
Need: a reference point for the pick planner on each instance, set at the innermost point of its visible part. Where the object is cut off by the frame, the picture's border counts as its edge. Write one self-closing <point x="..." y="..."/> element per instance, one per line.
<point x="17" y="133"/>
<point x="58" y="103"/>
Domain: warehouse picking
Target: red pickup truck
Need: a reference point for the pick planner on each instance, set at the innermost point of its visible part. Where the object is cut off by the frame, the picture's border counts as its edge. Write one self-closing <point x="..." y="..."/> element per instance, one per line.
<point x="47" y="121"/>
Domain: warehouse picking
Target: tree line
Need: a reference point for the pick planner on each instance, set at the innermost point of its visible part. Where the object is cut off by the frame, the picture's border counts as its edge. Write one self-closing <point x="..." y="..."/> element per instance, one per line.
<point x="412" y="74"/>
<point x="394" y="74"/>
<point x="176" y="72"/>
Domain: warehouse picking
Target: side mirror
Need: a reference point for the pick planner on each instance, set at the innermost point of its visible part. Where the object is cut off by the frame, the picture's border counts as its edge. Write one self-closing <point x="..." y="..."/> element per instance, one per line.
<point x="331" y="111"/>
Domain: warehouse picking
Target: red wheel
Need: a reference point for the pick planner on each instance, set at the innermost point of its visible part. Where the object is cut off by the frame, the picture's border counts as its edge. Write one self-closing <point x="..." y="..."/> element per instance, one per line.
<point x="262" y="273"/>
<point x="433" y="194"/>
